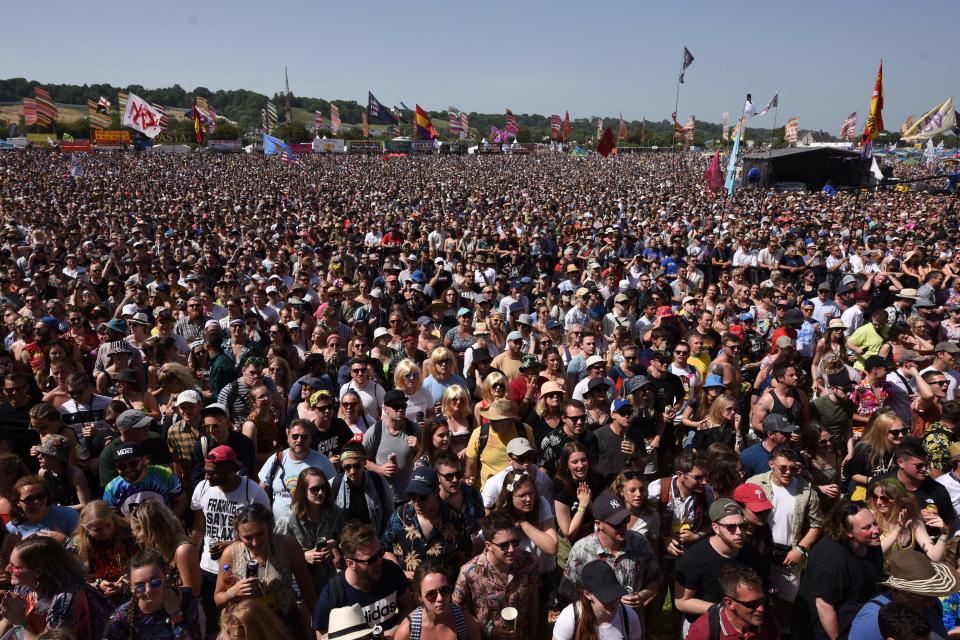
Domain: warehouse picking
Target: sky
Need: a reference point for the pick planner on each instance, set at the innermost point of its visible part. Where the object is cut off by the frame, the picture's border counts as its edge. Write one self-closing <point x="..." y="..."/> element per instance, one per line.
<point x="593" y="59"/>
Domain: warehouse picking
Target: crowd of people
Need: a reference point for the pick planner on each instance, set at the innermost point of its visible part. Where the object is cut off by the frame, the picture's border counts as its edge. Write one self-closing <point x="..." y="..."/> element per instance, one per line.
<point x="463" y="398"/>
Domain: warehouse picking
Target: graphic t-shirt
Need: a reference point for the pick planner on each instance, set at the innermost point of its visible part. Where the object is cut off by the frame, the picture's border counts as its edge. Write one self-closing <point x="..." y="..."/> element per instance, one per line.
<point x="219" y="509"/>
<point x="160" y="483"/>
<point x="379" y="605"/>
<point x="285" y="477"/>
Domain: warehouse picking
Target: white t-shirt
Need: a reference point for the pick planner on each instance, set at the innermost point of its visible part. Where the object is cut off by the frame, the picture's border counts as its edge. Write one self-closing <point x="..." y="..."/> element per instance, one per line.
<point x="781" y="516"/>
<point x="422" y="400"/>
<point x="564" y="628"/>
<point x="371" y="396"/>
<point x="950" y="481"/>
<point x="285" y="479"/>
<point x="219" y="508"/>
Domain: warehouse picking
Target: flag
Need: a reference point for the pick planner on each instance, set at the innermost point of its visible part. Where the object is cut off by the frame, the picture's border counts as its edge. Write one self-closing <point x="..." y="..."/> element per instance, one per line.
<point x="906" y="125"/>
<point x="874" y="124"/>
<point x="334" y="118"/>
<point x="496" y="135"/>
<point x="46" y="111"/>
<point x="622" y="133"/>
<point x="555" y="126"/>
<point x="643" y="129"/>
<point x="318" y="121"/>
<point x="455" y="125"/>
<point x="511" y="127"/>
<point x="405" y="107"/>
<point x="379" y="113"/>
<point x="848" y="126"/>
<point x="366" y="125"/>
<point x="875" y="170"/>
<point x="608" y="144"/>
<point x="212" y="118"/>
<point x="712" y="175"/>
<point x="29" y="111"/>
<point x="567" y="129"/>
<point x="270" y="117"/>
<point x="599" y="128"/>
<point x="197" y="125"/>
<point x="202" y="104"/>
<point x="277" y="147"/>
<point x="748" y="108"/>
<point x="286" y="97"/>
<point x="687" y="61"/>
<point x="423" y="126"/>
<point x="774" y="102"/>
<point x="464" y="126"/>
<point x="677" y="128"/>
<point x="688" y="130"/>
<point x="76" y="169"/>
<point x="121" y="101"/>
<point x="140" y="115"/>
<point x="98" y="119"/>
<point x="941" y="119"/>
<point x="732" y="163"/>
<point x="726" y="125"/>
<point x="67" y="137"/>
<point x="791" y="131"/>
<point x="103" y="105"/>
<point x="930" y="154"/>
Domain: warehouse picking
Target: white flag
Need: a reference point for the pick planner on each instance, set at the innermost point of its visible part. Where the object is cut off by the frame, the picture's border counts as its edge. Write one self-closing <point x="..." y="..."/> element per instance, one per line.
<point x="774" y="102"/>
<point x="748" y="108"/>
<point x="142" y="116"/>
<point x="875" y="170"/>
<point x="941" y="119"/>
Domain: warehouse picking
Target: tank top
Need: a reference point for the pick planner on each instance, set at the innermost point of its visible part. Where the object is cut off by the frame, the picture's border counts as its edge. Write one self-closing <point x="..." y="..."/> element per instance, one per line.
<point x="459" y="621"/>
<point x="792" y="413"/>
<point x="276" y="579"/>
<point x="267" y="434"/>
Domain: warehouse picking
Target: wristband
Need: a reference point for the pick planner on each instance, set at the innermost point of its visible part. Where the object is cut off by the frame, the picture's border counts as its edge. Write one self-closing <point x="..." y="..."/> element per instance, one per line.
<point x="801" y="549"/>
<point x="581" y="509"/>
<point x="176" y="617"/>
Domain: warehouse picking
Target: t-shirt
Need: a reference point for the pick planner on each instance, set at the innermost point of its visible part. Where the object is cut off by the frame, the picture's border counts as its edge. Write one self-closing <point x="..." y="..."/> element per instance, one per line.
<point x="380" y="605"/>
<point x="755" y="460"/>
<point x="699" y="569"/>
<point x="62" y="519"/>
<point x="331" y="441"/>
<point x="494" y="457"/>
<point x="866" y="625"/>
<point x="610" y="460"/>
<point x="285" y="478"/>
<point x="839" y="577"/>
<point x="395" y="444"/>
<point x="153" y="447"/>
<point x="493" y="487"/>
<point x="784" y="509"/>
<point x="16" y="432"/>
<point x="932" y="495"/>
<point x="219" y="508"/>
<point x="834" y="416"/>
<point x="565" y="628"/>
<point x="159" y="483"/>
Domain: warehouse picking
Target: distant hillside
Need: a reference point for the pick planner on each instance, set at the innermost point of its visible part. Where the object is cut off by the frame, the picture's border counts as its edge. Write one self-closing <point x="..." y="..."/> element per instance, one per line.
<point x="243" y="107"/>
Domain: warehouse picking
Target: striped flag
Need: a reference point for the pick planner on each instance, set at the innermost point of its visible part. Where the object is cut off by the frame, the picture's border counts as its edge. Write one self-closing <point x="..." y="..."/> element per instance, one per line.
<point x="334" y="118"/>
<point x="643" y="130"/>
<point x="366" y="125"/>
<point x="567" y="129"/>
<point x="688" y="130"/>
<point x="203" y="106"/>
<point x="103" y="104"/>
<point x="791" y="131"/>
<point x="122" y="102"/>
<point x="212" y="118"/>
<point x="164" y="121"/>
<point x="511" y="127"/>
<point x="98" y="119"/>
<point x="29" y="111"/>
<point x="46" y="111"/>
<point x="622" y="133"/>
<point x="318" y="121"/>
<point x="906" y="125"/>
<point x="464" y="126"/>
<point x="726" y="125"/>
<point x="555" y="126"/>
<point x="455" y="127"/>
<point x="848" y="126"/>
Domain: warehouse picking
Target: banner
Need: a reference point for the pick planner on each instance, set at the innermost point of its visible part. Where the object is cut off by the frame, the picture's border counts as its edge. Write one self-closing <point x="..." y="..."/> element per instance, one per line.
<point x="941" y="119"/>
<point x="364" y="146"/>
<point x="41" y="140"/>
<point x="226" y="146"/>
<point x="302" y="147"/>
<point x="326" y="145"/>
<point x="76" y="145"/>
<point x="111" y="137"/>
<point x="791" y="131"/>
<point x="140" y="115"/>
<point x="726" y="125"/>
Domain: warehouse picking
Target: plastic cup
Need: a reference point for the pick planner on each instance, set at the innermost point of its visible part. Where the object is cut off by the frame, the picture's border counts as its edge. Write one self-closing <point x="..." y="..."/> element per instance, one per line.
<point x="510" y="614"/>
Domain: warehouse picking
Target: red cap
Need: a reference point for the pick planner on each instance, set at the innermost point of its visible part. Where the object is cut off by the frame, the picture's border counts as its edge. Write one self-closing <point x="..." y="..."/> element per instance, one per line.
<point x="751" y="496"/>
<point x="665" y="312"/>
<point x="737" y="330"/>
<point x="223" y="453"/>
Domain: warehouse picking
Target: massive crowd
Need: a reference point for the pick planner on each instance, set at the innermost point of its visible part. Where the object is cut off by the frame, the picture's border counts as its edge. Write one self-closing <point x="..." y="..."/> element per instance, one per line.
<point x="472" y="397"/>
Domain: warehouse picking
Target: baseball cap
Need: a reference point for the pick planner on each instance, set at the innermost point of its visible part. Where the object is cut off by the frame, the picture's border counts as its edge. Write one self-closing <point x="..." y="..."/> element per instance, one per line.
<point x="394" y="397"/>
<point x="609" y="508"/>
<point x="188" y="396"/>
<point x="127" y="451"/>
<point x="598" y="578"/>
<point x="215" y="408"/>
<point x="519" y="446"/>
<point x="839" y="380"/>
<point x="724" y="507"/>
<point x="133" y="419"/>
<point x="56" y="446"/>
<point x="514" y="335"/>
<point x="423" y="482"/>
<point x="530" y="362"/>
<point x="752" y="497"/>
<point x="619" y="404"/>
<point x="778" y="423"/>
<point x="592" y="360"/>
<point x="223" y="453"/>
<point x="946" y="346"/>
<point x="665" y="312"/>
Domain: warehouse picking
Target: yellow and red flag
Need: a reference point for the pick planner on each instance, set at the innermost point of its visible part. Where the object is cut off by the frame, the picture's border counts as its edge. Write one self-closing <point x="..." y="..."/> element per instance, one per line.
<point x="874" y="123"/>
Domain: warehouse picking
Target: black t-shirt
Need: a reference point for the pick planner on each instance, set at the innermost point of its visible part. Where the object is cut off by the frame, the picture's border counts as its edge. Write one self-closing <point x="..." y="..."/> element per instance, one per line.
<point x="357" y="509"/>
<point x="929" y="494"/>
<point x="668" y="390"/>
<point x="838" y="576"/>
<point x="860" y="463"/>
<point x="16" y="432"/>
<point x="331" y="441"/>
<point x="699" y="569"/>
<point x="610" y="460"/>
<point x="380" y="605"/>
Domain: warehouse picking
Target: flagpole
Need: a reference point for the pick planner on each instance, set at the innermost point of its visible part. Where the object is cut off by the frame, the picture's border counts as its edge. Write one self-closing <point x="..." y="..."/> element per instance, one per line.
<point x="676" y="101"/>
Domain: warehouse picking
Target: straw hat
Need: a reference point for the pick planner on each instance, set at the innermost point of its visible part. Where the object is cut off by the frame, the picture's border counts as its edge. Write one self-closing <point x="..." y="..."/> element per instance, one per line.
<point x="501" y="409"/>
<point x="913" y="572"/>
<point x="348" y="623"/>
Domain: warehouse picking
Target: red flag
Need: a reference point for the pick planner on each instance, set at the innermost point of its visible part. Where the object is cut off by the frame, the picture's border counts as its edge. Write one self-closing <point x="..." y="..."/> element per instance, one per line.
<point x="608" y="143"/>
<point x="197" y="125"/>
<point x="622" y="134"/>
<point x="712" y="174"/>
<point x="366" y="125"/>
<point x="566" y="125"/>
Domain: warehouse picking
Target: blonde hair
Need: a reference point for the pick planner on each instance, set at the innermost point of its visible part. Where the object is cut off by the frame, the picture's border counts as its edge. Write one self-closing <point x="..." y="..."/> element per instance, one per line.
<point x="720" y="404"/>
<point x="160" y="530"/>
<point x="486" y="387"/>
<point x="94" y="511"/>
<point x="404" y="367"/>
<point x="446" y="401"/>
<point x="252" y="620"/>
<point x="441" y="353"/>
<point x="875" y="435"/>
<point x="183" y="375"/>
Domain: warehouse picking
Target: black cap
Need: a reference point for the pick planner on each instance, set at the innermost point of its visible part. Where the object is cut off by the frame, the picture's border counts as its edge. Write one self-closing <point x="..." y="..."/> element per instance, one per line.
<point x="394" y="396"/>
<point x="598" y="578"/>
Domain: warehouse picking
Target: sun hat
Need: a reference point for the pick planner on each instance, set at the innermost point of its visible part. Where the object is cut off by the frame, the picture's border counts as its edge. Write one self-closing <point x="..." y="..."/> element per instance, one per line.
<point x="913" y="572"/>
<point x="501" y="409"/>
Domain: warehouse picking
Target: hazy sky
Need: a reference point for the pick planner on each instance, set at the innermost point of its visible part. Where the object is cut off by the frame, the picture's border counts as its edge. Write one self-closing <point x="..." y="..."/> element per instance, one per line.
<point x="591" y="58"/>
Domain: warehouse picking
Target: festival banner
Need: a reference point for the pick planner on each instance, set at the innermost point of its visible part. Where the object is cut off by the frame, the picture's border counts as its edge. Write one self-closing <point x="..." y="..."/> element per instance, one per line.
<point x="76" y="145"/>
<point x="849" y="126"/>
<point x="555" y="126"/>
<point x="725" y="124"/>
<point x="140" y="115"/>
<point x="47" y="112"/>
<point x="99" y="118"/>
<point x="791" y="131"/>
<point x="939" y="120"/>
<point x="334" y="118"/>
<point x="29" y="111"/>
<point x="41" y="140"/>
<point x="111" y="137"/>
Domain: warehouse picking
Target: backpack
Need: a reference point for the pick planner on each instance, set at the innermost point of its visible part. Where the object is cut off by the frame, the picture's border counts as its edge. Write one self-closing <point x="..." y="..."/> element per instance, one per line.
<point x="713" y="620"/>
<point x="377" y="484"/>
<point x="274" y="470"/>
<point x="485" y="435"/>
<point x="378" y="434"/>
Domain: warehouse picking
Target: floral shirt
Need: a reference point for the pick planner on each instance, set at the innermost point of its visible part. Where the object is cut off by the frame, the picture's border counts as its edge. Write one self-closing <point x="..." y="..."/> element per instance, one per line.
<point x="448" y="543"/>
<point x="635" y="565"/>
<point x="484" y="591"/>
<point x="936" y="441"/>
<point x="869" y="400"/>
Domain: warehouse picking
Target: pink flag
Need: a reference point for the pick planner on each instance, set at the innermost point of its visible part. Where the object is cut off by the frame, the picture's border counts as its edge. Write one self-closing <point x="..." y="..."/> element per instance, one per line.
<point x="712" y="174"/>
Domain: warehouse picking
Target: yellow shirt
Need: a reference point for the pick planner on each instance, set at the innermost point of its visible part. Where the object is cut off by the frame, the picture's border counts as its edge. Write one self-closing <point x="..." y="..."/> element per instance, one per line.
<point x="494" y="457"/>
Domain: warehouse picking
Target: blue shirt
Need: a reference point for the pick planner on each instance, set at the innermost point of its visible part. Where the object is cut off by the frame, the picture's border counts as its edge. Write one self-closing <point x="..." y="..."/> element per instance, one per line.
<point x="436" y="388"/>
<point x="866" y="627"/>
<point x="62" y="519"/>
<point x="160" y="483"/>
<point x="755" y="460"/>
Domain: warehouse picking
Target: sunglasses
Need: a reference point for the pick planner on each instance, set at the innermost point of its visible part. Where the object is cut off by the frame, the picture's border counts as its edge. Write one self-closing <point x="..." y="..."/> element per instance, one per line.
<point x="450" y="477"/>
<point x="141" y="587"/>
<point x="503" y="546"/>
<point x="896" y="433"/>
<point x="731" y="527"/>
<point x="299" y="436"/>
<point x="128" y="466"/>
<point x="371" y="560"/>
<point x="749" y="604"/>
<point x="352" y="467"/>
<point x="34" y="498"/>
<point x="317" y="489"/>
<point x="577" y="419"/>
<point x="358" y="370"/>
<point x="445" y="590"/>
